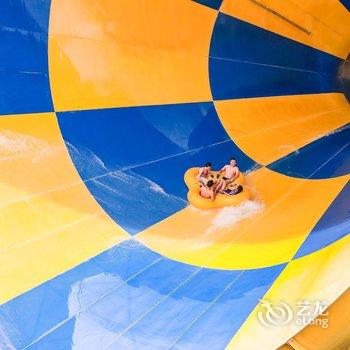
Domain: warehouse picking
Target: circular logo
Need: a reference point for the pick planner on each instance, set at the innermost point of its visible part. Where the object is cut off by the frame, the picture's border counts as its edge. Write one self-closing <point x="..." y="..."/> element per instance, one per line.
<point x="274" y="315"/>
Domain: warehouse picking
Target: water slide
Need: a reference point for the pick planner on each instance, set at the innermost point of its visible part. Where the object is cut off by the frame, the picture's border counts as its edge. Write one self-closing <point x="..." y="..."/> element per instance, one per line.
<point x="104" y="105"/>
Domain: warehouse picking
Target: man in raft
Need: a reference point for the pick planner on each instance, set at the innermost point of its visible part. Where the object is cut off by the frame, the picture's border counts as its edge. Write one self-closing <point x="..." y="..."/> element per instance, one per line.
<point x="231" y="173"/>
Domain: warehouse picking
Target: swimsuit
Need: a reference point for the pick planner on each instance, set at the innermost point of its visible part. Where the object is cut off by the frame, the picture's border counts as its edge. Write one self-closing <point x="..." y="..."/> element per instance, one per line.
<point x="203" y="180"/>
<point x="237" y="190"/>
<point x="228" y="179"/>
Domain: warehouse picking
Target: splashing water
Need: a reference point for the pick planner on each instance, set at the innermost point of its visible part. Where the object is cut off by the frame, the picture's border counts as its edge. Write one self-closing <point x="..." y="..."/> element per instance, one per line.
<point x="231" y="216"/>
<point x="15" y="144"/>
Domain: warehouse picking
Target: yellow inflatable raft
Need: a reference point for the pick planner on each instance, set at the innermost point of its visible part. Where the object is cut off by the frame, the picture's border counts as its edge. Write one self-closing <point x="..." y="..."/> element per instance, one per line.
<point x="221" y="200"/>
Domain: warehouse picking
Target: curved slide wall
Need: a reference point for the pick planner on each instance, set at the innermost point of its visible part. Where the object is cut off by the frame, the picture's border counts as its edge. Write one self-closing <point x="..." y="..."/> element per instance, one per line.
<point x="104" y="105"/>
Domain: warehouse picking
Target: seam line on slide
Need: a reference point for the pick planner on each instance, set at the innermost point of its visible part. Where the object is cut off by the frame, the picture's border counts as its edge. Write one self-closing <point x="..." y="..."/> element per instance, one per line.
<point x="90" y="304"/>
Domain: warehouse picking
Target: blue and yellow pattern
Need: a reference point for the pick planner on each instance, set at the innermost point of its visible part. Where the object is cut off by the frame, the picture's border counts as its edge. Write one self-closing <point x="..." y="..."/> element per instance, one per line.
<point x="103" y="107"/>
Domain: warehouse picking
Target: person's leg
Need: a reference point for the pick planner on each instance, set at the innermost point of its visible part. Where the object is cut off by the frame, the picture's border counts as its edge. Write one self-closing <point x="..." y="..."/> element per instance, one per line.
<point x="213" y="195"/>
<point x="228" y="183"/>
<point x="218" y="186"/>
<point x="224" y="185"/>
<point x="215" y="186"/>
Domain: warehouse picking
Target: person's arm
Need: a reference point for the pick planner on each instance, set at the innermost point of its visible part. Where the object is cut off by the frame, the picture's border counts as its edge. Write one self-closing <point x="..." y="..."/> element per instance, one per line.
<point x="237" y="173"/>
<point x="200" y="173"/>
<point x="222" y="169"/>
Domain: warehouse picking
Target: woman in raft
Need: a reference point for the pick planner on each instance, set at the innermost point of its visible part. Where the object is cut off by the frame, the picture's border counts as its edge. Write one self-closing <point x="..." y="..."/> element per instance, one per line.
<point x="208" y="190"/>
<point x="206" y="185"/>
<point x="204" y="173"/>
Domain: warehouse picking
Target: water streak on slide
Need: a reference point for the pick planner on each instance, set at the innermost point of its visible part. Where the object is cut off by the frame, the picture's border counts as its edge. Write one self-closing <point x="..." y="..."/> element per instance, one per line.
<point x="104" y="105"/>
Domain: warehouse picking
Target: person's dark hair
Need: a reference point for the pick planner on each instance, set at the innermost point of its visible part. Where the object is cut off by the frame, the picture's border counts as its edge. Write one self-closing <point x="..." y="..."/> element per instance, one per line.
<point x="207" y="164"/>
<point x="210" y="183"/>
<point x="233" y="159"/>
